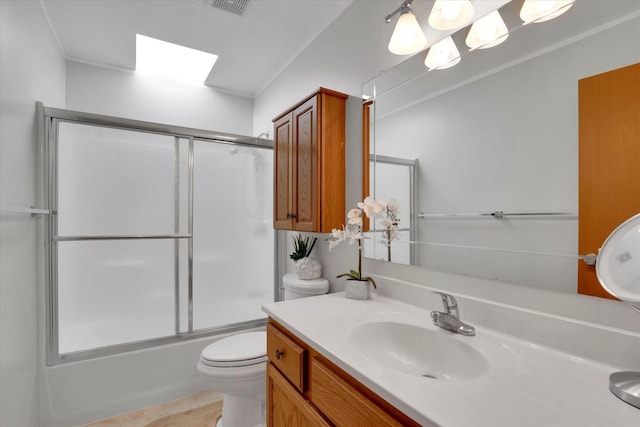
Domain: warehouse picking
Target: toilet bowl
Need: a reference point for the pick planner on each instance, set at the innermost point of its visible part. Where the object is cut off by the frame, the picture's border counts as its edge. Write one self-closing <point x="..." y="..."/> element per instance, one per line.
<point x="236" y="366"/>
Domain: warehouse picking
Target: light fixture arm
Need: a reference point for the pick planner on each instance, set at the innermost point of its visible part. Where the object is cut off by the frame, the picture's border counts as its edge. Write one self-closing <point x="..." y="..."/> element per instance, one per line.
<point x="404" y="6"/>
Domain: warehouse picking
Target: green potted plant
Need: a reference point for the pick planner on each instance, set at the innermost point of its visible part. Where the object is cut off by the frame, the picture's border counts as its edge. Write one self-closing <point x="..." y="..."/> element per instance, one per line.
<point x="307" y="268"/>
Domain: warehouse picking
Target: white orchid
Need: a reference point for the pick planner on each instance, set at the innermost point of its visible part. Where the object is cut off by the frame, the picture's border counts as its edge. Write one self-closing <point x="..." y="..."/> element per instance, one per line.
<point x="337" y="236"/>
<point x="371" y="207"/>
<point x="353" y="235"/>
<point x="390" y="221"/>
<point x="393" y="207"/>
<point x="354" y="217"/>
<point x="386" y="222"/>
<point x="388" y="214"/>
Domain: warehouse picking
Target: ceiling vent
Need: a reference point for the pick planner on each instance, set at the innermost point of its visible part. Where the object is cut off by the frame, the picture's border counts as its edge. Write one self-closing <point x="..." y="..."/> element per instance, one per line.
<point x="234" y="6"/>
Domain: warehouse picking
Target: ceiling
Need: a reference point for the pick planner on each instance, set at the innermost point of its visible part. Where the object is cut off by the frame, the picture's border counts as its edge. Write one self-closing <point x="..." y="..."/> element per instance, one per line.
<point x="255" y="47"/>
<point x="252" y="48"/>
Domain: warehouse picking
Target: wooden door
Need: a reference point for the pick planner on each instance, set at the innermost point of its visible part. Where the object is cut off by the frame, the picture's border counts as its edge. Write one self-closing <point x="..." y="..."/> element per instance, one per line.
<point x="609" y="162"/>
<point x="305" y="177"/>
<point x="286" y="407"/>
<point x="283" y="170"/>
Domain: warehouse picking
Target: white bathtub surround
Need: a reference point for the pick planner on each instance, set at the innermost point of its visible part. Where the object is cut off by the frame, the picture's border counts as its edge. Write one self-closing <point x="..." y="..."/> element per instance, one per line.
<point x="542" y="368"/>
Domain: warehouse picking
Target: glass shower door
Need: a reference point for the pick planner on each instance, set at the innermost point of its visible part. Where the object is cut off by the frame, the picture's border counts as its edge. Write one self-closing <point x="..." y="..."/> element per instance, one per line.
<point x="118" y="192"/>
<point x="233" y="242"/>
<point x="156" y="235"/>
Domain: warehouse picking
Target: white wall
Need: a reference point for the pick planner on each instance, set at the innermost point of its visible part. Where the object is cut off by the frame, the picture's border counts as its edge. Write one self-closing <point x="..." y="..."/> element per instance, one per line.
<point x="31" y="68"/>
<point x="122" y="93"/>
<point x="349" y="52"/>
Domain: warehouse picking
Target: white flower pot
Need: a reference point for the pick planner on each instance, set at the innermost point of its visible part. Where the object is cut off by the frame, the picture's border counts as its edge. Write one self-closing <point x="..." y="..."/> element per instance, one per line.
<point x="357" y="289"/>
<point x="308" y="268"/>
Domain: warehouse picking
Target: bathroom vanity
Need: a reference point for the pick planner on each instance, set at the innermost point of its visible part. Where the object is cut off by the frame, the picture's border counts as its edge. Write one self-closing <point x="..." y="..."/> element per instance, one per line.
<point x="336" y="361"/>
<point x="305" y="388"/>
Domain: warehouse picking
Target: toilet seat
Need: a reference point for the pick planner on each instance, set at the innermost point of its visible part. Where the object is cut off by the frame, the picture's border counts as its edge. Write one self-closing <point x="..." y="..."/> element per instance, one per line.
<point x="244" y="349"/>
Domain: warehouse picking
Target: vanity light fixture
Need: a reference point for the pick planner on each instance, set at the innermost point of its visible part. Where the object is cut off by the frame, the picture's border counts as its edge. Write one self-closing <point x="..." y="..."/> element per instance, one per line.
<point x="488" y="31"/>
<point x="450" y="14"/>
<point x="442" y="55"/>
<point x="407" y="37"/>
<point x="534" y="11"/>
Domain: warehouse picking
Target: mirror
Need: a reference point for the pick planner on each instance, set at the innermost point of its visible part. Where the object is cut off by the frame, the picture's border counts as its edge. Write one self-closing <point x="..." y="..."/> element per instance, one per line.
<point x="618" y="264"/>
<point x="494" y="146"/>
<point x="618" y="270"/>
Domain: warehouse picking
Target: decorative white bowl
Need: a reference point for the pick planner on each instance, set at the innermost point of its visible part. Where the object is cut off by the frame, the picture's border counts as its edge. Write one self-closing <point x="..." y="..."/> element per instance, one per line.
<point x="308" y="268"/>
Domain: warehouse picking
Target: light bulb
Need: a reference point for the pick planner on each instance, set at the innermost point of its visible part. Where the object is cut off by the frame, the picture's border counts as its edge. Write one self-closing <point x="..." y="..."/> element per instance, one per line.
<point x="407" y="37"/>
<point x="488" y="31"/>
<point x="443" y="54"/>
<point x="534" y="11"/>
<point x="450" y="14"/>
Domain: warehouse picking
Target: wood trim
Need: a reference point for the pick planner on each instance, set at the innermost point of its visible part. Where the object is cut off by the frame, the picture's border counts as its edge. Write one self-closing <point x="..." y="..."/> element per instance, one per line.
<point x="332" y="171"/>
<point x="292" y="358"/>
<point x="306" y="139"/>
<point x="286" y="406"/>
<point x="366" y="153"/>
<point x="609" y="176"/>
<point x="320" y="90"/>
<point x="283" y="173"/>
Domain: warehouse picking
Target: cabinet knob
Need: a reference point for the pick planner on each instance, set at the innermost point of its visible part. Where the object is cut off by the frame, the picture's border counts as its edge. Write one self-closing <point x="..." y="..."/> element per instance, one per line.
<point x="279" y="354"/>
<point x="291" y="216"/>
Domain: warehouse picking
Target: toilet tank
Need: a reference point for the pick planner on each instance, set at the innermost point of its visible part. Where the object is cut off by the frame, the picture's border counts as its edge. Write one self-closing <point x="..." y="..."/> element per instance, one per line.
<point x="295" y="288"/>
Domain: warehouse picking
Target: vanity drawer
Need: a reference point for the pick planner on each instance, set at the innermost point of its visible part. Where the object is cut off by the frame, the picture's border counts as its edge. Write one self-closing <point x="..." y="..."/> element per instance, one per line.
<point x="343" y="404"/>
<point x="287" y="356"/>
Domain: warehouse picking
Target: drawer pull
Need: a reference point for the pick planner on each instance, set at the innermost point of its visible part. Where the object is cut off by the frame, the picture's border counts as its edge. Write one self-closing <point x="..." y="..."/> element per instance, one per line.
<point x="279" y="354"/>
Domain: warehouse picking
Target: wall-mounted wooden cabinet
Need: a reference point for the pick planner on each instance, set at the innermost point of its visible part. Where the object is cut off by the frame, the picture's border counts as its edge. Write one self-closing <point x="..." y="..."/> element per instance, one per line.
<point x="309" y="164"/>
<point x="305" y="389"/>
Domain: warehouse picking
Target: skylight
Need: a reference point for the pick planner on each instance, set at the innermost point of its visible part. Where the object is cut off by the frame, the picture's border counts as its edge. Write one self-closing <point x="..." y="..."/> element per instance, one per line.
<point x="172" y="61"/>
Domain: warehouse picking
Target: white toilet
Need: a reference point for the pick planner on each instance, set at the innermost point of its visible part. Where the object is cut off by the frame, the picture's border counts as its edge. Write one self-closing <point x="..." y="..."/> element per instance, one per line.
<point x="295" y="288"/>
<point x="236" y="366"/>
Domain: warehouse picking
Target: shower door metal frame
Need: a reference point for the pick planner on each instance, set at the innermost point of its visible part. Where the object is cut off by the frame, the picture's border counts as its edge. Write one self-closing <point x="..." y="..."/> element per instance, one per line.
<point x="49" y="149"/>
<point x="412" y="165"/>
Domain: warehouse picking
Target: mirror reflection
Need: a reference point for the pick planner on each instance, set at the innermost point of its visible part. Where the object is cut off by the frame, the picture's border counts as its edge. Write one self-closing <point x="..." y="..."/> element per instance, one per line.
<point x="494" y="145"/>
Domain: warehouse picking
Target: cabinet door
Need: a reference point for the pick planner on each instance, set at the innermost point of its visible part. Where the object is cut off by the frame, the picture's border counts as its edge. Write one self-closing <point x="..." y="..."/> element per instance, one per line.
<point x="343" y="404"/>
<point x="285" y="406"/>
<point x="305" y="176"/>
<point x="283" y="169"/>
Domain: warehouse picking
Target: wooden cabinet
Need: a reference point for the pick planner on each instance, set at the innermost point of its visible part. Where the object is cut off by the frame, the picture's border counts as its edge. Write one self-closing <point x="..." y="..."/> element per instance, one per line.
<point x="286" y="407"/>
<point x="306" y="389"/>
<point x="309" y="164"/>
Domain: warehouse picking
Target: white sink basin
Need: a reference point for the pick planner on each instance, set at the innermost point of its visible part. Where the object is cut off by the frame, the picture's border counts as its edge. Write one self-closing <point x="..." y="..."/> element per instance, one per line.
<point x="419" y="351"/>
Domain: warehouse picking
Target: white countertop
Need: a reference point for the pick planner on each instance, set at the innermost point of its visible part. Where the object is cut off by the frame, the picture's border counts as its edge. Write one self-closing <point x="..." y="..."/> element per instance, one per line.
<point x="526" y="385"/>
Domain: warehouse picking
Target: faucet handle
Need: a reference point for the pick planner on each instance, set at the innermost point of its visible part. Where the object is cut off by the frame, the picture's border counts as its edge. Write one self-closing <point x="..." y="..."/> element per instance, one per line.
<point x="448" y="302"/>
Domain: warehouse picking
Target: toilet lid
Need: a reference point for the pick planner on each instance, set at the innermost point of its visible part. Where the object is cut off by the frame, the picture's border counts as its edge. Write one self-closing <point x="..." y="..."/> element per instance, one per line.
<point x="244" y="349"/>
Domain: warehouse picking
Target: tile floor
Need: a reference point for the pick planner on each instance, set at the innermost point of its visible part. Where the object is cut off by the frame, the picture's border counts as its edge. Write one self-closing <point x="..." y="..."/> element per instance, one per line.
<point x="200" y="410"/>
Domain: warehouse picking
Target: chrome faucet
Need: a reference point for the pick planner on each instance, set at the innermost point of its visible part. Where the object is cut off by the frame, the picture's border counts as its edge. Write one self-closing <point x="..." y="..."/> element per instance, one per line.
<point x="450" y="319"/>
